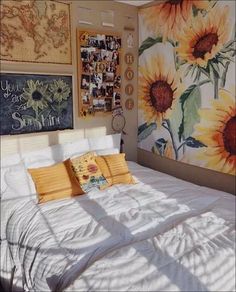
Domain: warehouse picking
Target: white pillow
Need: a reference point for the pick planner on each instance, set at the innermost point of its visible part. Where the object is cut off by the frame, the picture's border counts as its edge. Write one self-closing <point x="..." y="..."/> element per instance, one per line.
<point x="10" y="160"/>
<point x="108" y="151"/>
<point x="104" y="142"/>
<point x="54" y="154"/>
<point x="17" y="183"/>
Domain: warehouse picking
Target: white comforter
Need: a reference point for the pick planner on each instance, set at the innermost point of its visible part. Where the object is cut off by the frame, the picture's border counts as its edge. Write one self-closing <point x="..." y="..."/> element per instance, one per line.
<point x="162" y="234"/>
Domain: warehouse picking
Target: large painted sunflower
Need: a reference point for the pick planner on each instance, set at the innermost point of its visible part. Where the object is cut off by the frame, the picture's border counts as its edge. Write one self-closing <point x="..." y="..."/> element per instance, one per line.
<point x="201" y="41"/>
<point x="159" y="89"/>
<point x="36" y="95"/>
<point x="217" y="130"/>
<point x="169" y="18"/>
<point x="60" y="90"/>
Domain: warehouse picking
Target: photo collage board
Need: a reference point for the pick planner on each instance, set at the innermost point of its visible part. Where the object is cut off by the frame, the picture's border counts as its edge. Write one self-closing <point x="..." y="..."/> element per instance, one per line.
<point x="99" y="72"/>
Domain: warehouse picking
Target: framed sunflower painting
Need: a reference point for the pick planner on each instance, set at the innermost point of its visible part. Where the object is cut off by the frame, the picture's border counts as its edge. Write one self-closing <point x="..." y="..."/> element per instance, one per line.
<point x="187" y="105"/>
<point x="35" y="103"/>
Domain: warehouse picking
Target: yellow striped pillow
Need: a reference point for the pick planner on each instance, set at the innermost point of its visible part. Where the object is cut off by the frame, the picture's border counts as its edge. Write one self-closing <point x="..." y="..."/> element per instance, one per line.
<point x="55" y="182"/>
<point x="115" y="169"/>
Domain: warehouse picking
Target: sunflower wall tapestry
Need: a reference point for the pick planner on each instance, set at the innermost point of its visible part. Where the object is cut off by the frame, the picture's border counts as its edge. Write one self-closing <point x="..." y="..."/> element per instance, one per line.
<point x="187" y="109"/>
<point x="35" y="103"/>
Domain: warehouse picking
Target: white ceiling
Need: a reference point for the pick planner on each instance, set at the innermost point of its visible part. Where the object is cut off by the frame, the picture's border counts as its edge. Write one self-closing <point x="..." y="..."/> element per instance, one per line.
<point x="135" y="2"/>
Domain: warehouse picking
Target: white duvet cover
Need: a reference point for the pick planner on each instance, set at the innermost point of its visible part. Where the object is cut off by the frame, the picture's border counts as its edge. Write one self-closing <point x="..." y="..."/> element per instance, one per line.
<point x="162" y="234"/>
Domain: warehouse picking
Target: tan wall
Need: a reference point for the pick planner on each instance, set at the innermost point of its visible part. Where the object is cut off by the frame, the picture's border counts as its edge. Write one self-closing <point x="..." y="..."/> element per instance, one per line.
<point x="98" y="125"/>
<point x="194" y="174"/>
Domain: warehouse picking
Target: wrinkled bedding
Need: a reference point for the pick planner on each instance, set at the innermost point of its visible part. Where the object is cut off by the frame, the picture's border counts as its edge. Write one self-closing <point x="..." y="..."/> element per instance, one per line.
<point x="161" y="234"/>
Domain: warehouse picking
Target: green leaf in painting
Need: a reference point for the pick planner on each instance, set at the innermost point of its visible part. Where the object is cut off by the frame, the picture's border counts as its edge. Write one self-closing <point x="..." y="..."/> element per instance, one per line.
<point x="191" y="107"/>
<point x="187" y="93"/>
<point x="194" y="143"/>
<point x="145" y="130"/>
<point x="190" y="103"/>
<point x="189" y="68"/>
<point x="148" y="43"/>
<point x="161" y="145"/>
<point x="216" y="69"/>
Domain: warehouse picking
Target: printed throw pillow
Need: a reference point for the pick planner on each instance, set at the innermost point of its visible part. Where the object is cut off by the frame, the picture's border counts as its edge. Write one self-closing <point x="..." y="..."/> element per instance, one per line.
<point x="87" y="172"/>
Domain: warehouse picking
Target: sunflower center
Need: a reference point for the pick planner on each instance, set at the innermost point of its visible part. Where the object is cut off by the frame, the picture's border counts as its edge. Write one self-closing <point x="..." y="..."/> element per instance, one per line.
<point x="204" y="45"/>
<point x="174" y="2"/>
<point x="229" y="136"/>
<point x="36" y="95"/>
<point x="161" y="96"/>
<point x="59" y="90"/>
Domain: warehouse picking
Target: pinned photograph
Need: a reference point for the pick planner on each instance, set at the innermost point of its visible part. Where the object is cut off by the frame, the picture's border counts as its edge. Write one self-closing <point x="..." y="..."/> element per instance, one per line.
<point x="108" y="105"/>
<point x="98" y="104"/>
<point x="109" y="90"/>
<point x="84" y="39"/>
<point x="95" y="56"/>
<point x="94" y="90"/>
<point x="102" y="41"/>
<point x="117" y="81"/>
<point x="97" y="78"/>
<point x="93" y="41"/>
<point x="110" y="42"/>
<point x="103" y="54"/>
<point x="111" y="67"/>
<point x="85" y="67"/>
<point x="116" y="99"/>
<point x="118" y="43"/>
<point x="109" y="76"/>
<point x="86" y="54"/>
<point x="85" y="81"/>
<point x="85" y="97"/>
<point x="115" y="57"/>
<point x="102" y="89"/>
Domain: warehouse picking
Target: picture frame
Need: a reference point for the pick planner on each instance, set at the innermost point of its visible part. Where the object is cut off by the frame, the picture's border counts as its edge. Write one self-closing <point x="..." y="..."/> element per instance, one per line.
<point x="47" y="37"/>
<point x="35" y="102"/>
<point x="99" y="57"/>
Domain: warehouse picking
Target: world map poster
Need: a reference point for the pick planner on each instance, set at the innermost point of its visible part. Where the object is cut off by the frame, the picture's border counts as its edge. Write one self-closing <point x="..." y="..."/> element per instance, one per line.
<point x="187" y="105"/>
<point x="35" y="31"/>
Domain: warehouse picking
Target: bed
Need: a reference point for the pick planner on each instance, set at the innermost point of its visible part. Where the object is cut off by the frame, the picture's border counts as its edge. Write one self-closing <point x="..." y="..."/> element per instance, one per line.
<point x="160" y="234"/>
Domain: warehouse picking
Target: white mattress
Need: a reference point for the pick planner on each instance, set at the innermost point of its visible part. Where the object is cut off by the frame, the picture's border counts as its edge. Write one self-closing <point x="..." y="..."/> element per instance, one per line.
<point x="162" y="234"/>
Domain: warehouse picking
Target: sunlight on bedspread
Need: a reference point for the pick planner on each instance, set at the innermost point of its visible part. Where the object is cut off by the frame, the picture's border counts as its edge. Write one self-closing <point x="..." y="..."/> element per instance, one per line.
<point x="160" y="234"/>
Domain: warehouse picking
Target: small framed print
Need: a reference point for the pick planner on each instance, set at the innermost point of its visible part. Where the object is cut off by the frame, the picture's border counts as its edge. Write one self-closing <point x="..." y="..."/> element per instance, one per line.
<point x="129" y="89"/>
<point x="129" y="74"/>
<point x="129" y="104"/>
<point x="129" y="58"/>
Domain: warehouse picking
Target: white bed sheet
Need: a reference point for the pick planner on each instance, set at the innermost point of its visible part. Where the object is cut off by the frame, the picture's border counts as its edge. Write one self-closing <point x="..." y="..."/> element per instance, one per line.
<point x="162" y="234"/>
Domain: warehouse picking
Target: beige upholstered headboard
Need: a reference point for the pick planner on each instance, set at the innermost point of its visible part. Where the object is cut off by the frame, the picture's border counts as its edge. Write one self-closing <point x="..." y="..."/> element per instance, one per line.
<point x="29" y="142"/>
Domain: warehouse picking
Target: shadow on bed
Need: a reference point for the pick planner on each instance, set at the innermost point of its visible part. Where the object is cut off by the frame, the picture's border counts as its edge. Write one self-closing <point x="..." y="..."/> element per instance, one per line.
<point x="5" y="283"/>
<point x="89" y="208"/>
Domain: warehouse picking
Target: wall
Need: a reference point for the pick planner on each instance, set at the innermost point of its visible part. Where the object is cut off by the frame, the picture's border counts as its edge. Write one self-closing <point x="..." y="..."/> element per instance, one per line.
<point x="194" y="174"/>
<point x="91" y="126"/>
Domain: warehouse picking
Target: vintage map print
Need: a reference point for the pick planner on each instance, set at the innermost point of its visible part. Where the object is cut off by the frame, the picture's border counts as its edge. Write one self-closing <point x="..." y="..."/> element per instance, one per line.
<point x="35" y="31"/>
